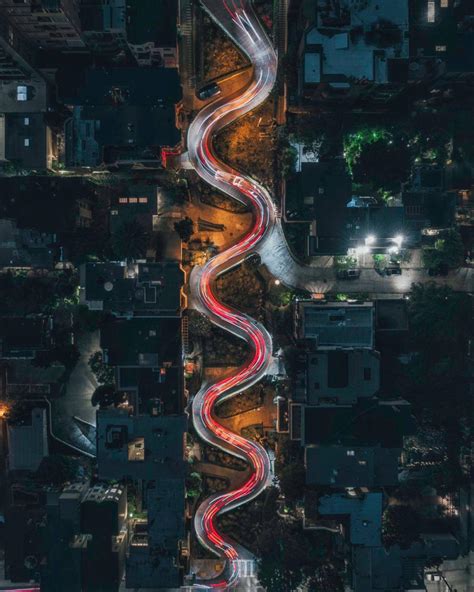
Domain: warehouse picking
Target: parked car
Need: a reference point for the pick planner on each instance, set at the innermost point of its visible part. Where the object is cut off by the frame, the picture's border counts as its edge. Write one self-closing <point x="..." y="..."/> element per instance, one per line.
<point x="210" y="90"/>
<point x="348" y="274"/>
<point x="393" y="270"/>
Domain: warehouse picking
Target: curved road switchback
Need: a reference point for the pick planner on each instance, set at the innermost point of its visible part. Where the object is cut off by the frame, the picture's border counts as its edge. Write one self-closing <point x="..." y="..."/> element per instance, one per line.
<point x="239" y="22"/>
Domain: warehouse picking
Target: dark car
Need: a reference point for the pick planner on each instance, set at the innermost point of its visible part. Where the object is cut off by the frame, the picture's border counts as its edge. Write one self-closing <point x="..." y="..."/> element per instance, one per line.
<point x="393" y="270"/>
<point x="348" y="274"/>
<point x="210" y="90"/>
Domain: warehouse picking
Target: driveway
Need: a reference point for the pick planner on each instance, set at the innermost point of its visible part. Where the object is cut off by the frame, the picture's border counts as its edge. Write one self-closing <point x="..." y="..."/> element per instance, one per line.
<point x="276" y="255"/>
<point x="76" y="401"/>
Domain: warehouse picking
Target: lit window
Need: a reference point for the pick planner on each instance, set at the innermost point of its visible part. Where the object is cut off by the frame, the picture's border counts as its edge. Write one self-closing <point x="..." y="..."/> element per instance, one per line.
<point x="350" y="452"/>
<point x="444" y="3"/>
<point x="143" y="199"/>
<point x="26" y="121"/>
<point x="132" y="200"/>
<point x="26" y="142"/>
<point x="440" y="48"/>
<point x="21" y="93"/>
<point x="123" y="199"/>
<point x="431" y="11"/>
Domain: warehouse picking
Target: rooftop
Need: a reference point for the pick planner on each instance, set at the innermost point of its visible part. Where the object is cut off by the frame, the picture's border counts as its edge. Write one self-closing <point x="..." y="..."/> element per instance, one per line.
<point x="367" y="423"/>
<point x="357" y="41"/>
<point x="351" y="466"/>
<point x="365" y="515"/>
<point x="22" y="337"/>
<point x="341" y="325"/>
<point x="142" y="289"/>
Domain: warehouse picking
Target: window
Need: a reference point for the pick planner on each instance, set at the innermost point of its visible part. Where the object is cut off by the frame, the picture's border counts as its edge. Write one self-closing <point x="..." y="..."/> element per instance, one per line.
<point x="440" y="48"/>
<point x="21" y="93"/>
<point x="444" y="3"/>
<point x="26" y="120"/>
<point x="133" y="200"/>
<point x="26" y="142"/>
<point x="143" y="199"/>
<point x="350" y="452"/>
<point x="431" y="12"/>
<point x="367" y="373"/>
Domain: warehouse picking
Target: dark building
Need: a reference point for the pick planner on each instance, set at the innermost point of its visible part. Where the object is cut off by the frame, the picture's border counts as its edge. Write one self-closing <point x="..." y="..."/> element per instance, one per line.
<point x="319" y="193"/>
<point x="119" y="115"/>
<point x="24" y="337"/>
<point x="85" y="539"/>
<point x="139" y="289"/>
<point x="45" y="24"/>
<point x="146" y="355"/>
<point x="355" y="446"/>
<point x="351" y="52"/>
<point x="149" y="449"/>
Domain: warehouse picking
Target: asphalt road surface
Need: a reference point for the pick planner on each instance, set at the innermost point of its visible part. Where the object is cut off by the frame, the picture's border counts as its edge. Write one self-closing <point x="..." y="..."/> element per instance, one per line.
<point x="238" y="21"/>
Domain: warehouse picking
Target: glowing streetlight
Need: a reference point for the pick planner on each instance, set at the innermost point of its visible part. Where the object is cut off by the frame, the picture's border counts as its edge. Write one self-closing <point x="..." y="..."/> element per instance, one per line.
<point x="277" y="282"/>
<point x="398" y="240"/>
<point x="370" y="240"/>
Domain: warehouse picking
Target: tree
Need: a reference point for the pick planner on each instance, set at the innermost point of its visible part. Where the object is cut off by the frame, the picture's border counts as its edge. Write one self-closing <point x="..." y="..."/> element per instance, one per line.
<point x="184" y="228"/>
<point x="290" y="556"/>
<point x="102" y="371"/>
<point x="383" y="164"/>
<point x="292" y="480"/>
<point x="440" y="319"/>
<point x="400" y="526"/>
<point x="194" y="485"/>
<point x="130" y="241"/>
<point x="57" y="469"/>
<point x="448" y="251"/>
<point x="106" y="395"/>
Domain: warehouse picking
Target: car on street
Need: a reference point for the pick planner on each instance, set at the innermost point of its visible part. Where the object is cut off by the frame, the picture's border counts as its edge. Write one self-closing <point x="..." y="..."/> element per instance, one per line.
<point x="209" y="90"/>
<point x="348" y="274"/>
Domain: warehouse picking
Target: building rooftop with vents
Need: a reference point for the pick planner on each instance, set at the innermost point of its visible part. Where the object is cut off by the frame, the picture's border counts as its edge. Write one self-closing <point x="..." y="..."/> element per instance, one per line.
<point x="139" y="289"/>
<point x="336" y="325"/>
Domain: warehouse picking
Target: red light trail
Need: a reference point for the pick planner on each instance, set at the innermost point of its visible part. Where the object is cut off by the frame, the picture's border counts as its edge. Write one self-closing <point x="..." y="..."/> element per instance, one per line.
<point x="241" y="24"/>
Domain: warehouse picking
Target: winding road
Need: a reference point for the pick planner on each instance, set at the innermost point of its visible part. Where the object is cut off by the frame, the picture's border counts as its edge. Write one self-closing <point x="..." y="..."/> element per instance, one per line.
<point x="239" y="22"/>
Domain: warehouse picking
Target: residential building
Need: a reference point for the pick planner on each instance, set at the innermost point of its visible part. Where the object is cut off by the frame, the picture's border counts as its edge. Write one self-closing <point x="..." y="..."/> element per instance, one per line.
<point x="25" y="137"/>
<point x="22" y="378"/>
<point x="380" y="226"/>
<point x="103" y="26"/>
<point x="359" y="516"/>
<point x="119" y="115"/>
<point x="338" y="376"/>
<point x="28" y="441"/>
<point x="92" y="523"/>
<point x="149" y="449"/>
<point x="443" y="40"/>
<point x="152" y="32"/>
<point x="147" y="356"/>
<point x="23" y="338"/>
<point x="318" y="193"/>
<point x="24" y="248"/>
<point x="426" y="202"/>
<point x="44" y="24"/>
<point x="354" y="51"/>
<point x="355" y="446"/>
<point x="340" y="325"/>
<point x="138" y="289"/>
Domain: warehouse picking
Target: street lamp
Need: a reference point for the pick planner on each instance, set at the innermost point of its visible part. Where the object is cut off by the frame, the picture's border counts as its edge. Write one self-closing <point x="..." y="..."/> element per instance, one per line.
<point x="370" y="240"/>
<point x="398" y="240"/>
<point x="277" y="282"/>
